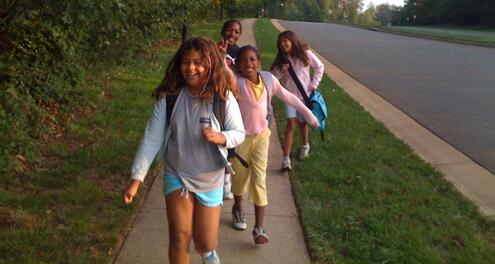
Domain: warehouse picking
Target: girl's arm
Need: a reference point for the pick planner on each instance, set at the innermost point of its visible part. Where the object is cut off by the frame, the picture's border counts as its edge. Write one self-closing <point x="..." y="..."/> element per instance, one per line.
<point x="152" y="141"/>
<point x="319" y="69"/>
<point x="292" y="100"/>
<point x="233" y="126"/>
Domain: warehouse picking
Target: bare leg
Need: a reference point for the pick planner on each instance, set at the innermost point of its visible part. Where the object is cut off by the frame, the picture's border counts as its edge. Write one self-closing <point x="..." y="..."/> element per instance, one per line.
<point x="180" y="219"/>
<point x="289" y="135"/>
<point x="304" y="133"/>
<point x="206" y="222"/>
<point x="238" y="202"/>
<point x="259" y="212"/>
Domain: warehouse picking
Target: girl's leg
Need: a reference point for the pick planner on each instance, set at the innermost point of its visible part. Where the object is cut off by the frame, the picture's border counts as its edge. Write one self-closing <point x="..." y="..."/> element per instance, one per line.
<point x="304" y="132"/>
<point x="258" y="191"/>
<point x="289" y="136"/>
<point x="237" y="202"/>
<point x="259" y="212"/>
<point x="206" y="222"/>
<point x="240" y="183"/>
<point x="180" y="223"/>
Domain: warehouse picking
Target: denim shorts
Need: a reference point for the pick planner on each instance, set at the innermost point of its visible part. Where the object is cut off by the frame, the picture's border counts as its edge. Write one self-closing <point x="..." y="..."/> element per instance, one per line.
<point x="291" y="112"/>
<point x="212" y="198"/>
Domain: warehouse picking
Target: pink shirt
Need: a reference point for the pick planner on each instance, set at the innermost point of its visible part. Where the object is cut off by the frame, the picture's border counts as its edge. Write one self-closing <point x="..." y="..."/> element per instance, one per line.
<point x="254" y="111"/>
<point x="303" y="73"/>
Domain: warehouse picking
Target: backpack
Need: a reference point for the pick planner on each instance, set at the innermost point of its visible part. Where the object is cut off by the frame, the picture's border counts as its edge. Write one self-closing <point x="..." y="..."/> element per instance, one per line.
<point x="218" y="111"/>
<point x="319" y="108"/>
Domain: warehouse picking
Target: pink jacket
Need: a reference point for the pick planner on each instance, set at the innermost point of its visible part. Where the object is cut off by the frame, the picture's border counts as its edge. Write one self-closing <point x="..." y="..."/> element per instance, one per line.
<point x="303" y="74"/>
<point x="255" y="111"/>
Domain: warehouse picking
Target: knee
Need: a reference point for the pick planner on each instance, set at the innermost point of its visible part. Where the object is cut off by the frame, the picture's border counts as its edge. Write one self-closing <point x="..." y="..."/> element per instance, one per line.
<point x="204" y="246"/>
<point x="180" y="239"/>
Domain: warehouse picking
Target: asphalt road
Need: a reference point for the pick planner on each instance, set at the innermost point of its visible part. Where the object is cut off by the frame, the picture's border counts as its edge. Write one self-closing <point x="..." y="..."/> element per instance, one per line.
<point x="448" y="88"/>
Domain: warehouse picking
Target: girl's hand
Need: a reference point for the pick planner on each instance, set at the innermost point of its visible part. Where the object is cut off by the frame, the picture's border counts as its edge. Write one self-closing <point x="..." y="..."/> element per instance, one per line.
<point x="315" y="125"/>
<point x="222" y="46"/>
<point x="131" y="191"/>
<point x="213" y="136"/>
<point x="284" y="68"/>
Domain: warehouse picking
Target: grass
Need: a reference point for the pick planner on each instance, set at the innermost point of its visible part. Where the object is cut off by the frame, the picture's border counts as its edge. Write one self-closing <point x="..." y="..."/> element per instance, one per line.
<point x="365" y="197"/>
<point x="67" y="208"/>
<point x="477" y="35"/>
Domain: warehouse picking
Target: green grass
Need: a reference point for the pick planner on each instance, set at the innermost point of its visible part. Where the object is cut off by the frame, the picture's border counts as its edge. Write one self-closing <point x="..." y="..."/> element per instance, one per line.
<point x="477" y="35"/>
<point x="68" y="208"/>
<point x="365" y="197"/>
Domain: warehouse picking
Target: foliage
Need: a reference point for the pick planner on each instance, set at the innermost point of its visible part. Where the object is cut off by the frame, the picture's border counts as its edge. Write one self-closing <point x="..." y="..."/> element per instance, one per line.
<point x="462" y="12"/>
<point x="51" y="50"/>
<point x="368" y="17"/>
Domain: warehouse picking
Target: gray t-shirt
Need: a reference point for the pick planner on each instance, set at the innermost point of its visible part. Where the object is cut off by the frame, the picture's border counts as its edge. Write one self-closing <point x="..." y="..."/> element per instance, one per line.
<point x="189" y="156"/>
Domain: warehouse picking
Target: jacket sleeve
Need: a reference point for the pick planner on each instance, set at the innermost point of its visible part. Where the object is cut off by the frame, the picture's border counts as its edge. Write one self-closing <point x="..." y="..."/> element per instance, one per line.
<point x="152" y="141"/>
<point x="292" y="100"/>
<point x="319" y="69"/>
<point x="234" y="127"/>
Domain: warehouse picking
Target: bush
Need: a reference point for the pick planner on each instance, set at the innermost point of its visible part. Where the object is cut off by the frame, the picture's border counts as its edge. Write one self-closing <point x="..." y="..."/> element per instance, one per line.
<point x="50" y="48"/>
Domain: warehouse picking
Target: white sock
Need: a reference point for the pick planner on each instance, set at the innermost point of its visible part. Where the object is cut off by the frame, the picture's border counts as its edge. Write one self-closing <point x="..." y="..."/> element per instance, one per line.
<point x="207" y="254"/>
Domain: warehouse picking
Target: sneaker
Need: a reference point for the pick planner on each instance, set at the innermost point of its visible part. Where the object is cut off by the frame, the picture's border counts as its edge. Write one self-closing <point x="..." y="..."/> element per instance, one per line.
<point x="286" y="164"/>
<point x="238" y="219"/>
<point x="304" y="152"/>
<point x="211" y="259"/>
<point x="228" y="196"/>
<point x="260" y="236"/>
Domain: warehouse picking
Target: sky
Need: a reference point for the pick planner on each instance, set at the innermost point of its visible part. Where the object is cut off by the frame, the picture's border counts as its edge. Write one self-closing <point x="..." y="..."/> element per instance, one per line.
<point x="378" y="2"/>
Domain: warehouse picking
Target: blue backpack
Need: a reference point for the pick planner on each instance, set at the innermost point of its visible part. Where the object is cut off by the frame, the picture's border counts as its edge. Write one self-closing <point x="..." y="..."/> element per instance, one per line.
<point x="319" y="108"/>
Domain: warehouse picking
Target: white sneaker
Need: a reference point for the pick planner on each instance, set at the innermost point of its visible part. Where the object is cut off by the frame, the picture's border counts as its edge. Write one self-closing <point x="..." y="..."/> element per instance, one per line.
<point x="286" y="164"/>
<point x="238" y="219"/>
<point x="211" y="259"/>
<point x="304" y="152"/>
<point x="228" y="195"/>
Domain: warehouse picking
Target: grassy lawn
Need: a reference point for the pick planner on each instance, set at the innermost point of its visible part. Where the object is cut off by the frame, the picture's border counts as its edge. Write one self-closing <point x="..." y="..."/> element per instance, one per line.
<point x="68" y="208"/>
<point x="365" y="197"/>
<point x="479" y="35"/>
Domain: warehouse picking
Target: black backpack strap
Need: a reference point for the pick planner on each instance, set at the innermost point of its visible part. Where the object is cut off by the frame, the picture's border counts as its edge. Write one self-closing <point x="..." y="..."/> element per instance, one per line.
<point x="219" y="111"/>
<point x="297" y="82"/>
<point x="170" y="101"/>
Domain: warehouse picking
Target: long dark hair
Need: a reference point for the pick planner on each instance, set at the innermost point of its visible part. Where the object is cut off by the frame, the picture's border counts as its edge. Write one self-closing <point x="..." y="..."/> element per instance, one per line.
<point x="221" y="79"/>
<point x="298" y="50"/>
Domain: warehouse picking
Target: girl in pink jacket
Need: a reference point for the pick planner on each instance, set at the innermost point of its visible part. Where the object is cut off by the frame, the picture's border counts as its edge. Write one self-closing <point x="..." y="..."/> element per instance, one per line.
<point x="301" y="59"/>
<point x="256" y="89"/>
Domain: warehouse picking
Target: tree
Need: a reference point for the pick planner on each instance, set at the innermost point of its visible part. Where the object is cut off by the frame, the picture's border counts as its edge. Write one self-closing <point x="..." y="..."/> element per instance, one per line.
<point x="386" y="13"/>
<point x="368" y="17"/>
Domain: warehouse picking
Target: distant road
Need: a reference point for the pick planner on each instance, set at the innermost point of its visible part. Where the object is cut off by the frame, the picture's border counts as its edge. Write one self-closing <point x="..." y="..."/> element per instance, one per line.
<point x="448" y="88"/>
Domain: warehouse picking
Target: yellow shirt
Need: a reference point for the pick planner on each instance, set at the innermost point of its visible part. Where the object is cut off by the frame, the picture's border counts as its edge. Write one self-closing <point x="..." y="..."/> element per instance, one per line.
<point x="256" y="88"/>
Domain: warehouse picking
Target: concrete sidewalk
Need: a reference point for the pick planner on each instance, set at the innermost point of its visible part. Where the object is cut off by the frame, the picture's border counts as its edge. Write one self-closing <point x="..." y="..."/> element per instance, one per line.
<point x="147" y="241"/>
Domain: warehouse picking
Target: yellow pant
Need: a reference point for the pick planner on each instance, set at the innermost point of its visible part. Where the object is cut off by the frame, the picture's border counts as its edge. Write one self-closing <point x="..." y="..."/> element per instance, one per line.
<point x="252" y="180"/>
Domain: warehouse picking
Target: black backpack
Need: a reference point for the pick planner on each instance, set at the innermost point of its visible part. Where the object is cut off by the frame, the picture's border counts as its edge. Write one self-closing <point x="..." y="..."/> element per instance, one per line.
<point x="218" y="110"/>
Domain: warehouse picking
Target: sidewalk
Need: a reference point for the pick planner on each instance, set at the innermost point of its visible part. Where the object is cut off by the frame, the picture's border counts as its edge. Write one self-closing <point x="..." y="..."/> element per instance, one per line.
<point x="147" y="241"/>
